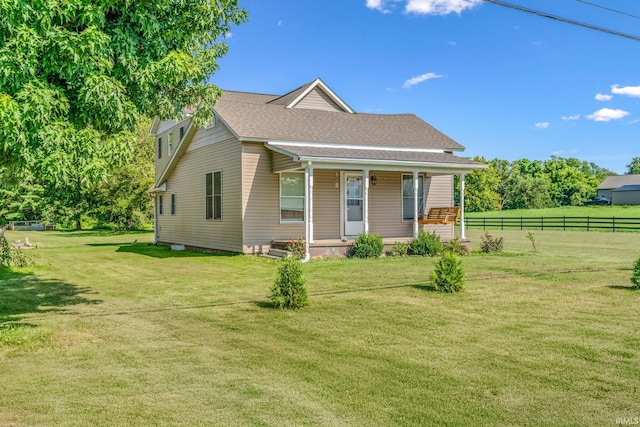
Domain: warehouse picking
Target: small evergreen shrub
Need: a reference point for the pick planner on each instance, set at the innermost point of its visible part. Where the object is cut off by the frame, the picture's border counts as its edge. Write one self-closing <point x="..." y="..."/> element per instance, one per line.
<point x="368" y="246"/>
<point x="289" y="289"/>
<point x="448" y="275"/>
<point x="9" y="257"/>
<point x="635" y="279"/>
<point x="297" y="248"/>
<point x="425" y="244"/>
<point x="399" y="249"/>
<point x="456" y="246"/>
<point x="490" y="244"/>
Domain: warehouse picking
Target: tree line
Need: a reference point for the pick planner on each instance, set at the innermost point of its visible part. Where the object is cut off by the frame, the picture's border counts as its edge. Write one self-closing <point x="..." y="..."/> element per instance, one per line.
<point x="535" y="184"/>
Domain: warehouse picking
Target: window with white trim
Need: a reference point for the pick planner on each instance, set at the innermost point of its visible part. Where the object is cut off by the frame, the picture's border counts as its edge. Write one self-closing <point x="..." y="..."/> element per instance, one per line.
<point x="407" y="197"/>
<point x="173" y="204"/>
<point x="170" y="143"/>
<point x="291" y="197"/>
<point x="213" y="195"/>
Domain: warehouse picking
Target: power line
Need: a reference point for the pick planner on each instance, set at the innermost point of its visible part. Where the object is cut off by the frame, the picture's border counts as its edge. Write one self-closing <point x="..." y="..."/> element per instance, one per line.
<point x="609" y="9"/>
<point x="566" y="20"/>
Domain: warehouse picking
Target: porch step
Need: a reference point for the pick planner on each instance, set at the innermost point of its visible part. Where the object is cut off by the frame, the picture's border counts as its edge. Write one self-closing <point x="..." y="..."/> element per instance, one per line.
<point x="279" y="253"/>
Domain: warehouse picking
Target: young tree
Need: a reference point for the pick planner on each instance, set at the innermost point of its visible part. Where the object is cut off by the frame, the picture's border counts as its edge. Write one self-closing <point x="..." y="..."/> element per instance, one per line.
<point x="76" y="75"/>
<point x="481" y="189"/>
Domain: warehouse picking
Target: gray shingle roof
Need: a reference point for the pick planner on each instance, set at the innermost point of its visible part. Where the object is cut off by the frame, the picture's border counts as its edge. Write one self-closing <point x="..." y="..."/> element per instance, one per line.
<point x="257" y="117"/>
<point x="376" y="155"/>
<point x="618" y="181"/>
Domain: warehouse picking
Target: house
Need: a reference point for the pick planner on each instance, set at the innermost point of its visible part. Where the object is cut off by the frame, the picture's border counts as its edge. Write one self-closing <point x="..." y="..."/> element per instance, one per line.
<point x="273" y="168"/>
<point x="621" y="189"/>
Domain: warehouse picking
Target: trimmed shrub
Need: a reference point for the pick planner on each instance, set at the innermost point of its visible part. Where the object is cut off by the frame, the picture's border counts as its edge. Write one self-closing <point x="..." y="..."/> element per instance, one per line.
<point x="368" y="246"/>
<point x="289" y="289"/>
<point x="448" y="275"/>
<point x="425" y="244"/>
<point x="398" y="249"/>
<point x="456" y="247"/>
<point x="635" y="279"/>
<point x="490" y="244"/>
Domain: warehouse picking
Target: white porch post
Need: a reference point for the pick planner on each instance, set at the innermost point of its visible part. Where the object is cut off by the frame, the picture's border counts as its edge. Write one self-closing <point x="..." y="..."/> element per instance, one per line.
<point x="155" y="218"/>
<point x="310" y="197"/>
<point x="462" y="236"/>
<point x="415" y="204"/>
<point x="365" y="198"/>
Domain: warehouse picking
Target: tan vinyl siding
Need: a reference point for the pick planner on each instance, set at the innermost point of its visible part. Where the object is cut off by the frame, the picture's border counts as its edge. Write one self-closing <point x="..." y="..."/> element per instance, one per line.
<point x="189" y="226"/>
<point x="283" y="163"/>
<point x="261" y="201"/>
<point x="317" y="99"/>
<point x="439" y="193"/>
<point x="211" y="135"/>
<point x="165" y="128"/>
<point x="385" y="206"/>
<point x="326" y="204"/>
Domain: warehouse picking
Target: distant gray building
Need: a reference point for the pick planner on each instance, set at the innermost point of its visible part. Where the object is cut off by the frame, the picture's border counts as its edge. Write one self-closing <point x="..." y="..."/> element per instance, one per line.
<point x="621" y="189"/>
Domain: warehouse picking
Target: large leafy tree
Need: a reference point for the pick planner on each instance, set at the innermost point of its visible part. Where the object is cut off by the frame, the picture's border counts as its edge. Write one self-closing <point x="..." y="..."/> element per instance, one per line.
<point x="634" y="166"/>
<point x="75" y="75"/>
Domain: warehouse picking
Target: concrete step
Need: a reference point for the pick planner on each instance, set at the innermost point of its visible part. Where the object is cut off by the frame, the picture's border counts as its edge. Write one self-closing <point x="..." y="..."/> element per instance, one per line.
<point x="279" y="253"/>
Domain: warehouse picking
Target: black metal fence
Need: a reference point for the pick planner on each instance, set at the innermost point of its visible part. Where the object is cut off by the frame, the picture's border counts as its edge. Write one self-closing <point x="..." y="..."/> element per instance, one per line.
<point x="585" y="223"/>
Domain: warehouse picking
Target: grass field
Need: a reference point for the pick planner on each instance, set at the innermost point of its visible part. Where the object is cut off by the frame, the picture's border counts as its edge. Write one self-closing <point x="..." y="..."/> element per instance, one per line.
<point x="101" y="333"/>
<point x="594" y="211"/>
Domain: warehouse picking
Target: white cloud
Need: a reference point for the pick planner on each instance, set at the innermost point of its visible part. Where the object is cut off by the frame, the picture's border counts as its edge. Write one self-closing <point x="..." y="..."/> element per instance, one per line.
<point x="280" y="23"/>
<point x="603" y="97"/>
<point x="542" y="125"/>
<point x="426" y="7"/>
<point x="633" y="91"/>
<point x="439" y="7"/>
<point x="607" y="114"/>
<point x="568" y="118"/>
<point x="228" y="35"/>
<point x="377" y="5"/>
<point x="419" y="79"/>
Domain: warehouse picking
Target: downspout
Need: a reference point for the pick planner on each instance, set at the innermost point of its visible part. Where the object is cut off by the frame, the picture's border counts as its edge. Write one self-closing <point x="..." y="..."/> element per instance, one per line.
<point x="415" y="204"/>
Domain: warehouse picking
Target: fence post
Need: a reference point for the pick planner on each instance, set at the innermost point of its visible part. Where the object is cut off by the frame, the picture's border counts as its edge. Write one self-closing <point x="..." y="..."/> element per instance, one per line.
<point x="502" y="223"/>
<point x="484" y="223"/>
<point x="521" y="224"/>
<point x="564" y="223"/>
<point x="614" y="224"/>
<point x="542" y="222"/>
<point x="587" y="223"/>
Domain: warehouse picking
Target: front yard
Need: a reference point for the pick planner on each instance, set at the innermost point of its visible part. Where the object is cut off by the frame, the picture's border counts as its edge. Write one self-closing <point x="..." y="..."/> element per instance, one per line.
<point x="102" y="332"/>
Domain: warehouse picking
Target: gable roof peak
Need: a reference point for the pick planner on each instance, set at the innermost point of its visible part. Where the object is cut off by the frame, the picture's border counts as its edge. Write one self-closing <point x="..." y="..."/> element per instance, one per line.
<point x="296" y="96"/>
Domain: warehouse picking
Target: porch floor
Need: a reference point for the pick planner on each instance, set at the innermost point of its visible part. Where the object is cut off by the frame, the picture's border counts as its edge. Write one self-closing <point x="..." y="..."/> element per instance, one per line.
<point x="331" y="248"/>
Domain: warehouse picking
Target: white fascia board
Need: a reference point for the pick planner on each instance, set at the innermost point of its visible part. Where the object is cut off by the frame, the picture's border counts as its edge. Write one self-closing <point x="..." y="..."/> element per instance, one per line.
<point x="153" y="130"/>
<point x="327" y="90"/>
<point x="390" y="165"/>
<point x="355" y="147"/>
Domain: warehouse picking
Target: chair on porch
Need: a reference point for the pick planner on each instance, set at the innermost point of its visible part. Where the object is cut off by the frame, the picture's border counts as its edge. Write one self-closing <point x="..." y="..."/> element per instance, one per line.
<point x="441" y="216"/>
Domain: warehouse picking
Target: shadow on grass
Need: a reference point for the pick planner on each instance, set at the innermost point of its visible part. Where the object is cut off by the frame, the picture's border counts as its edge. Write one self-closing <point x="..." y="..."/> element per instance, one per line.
<point x="22" y="294"/>
<point x="155" y="251"/>
<point x="100" y="232"/>
<point x="623" y="288"/>
<point x="427" y="288"/>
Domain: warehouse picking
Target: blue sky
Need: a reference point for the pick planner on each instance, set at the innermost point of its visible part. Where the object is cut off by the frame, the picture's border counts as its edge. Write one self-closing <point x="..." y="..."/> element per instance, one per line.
<point x="501" y="82"/>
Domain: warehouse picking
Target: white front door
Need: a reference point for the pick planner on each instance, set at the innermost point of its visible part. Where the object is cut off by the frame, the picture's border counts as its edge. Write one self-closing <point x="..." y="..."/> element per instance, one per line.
<point x="353" y="204"/>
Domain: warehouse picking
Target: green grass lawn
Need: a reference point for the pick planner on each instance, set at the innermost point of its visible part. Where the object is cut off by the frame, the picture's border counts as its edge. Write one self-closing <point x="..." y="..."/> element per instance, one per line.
<point x="632" y="211"/>
<point x="101" y="333"/>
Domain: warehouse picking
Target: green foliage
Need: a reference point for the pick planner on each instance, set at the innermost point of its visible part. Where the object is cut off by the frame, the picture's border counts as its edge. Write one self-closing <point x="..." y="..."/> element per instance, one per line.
<point x="398" y="249"/>
<point x="635" y="279"/>
<point x="532" y="238"/>
<point x="9" y="257"/>
<point x="76" y="76"/>
<point x="489" y="244"/>
<point x="527" y="184"/>
<point x="448" y="275"/>
<point x="289" y="289"/>
<point x="368" y="246"/>
<point x="456" y="246"/>
<point x="481" y="189"/>
<point x="634" y="166"/>
<point x="297" y="247"/>
<point x="426" y="244"/>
